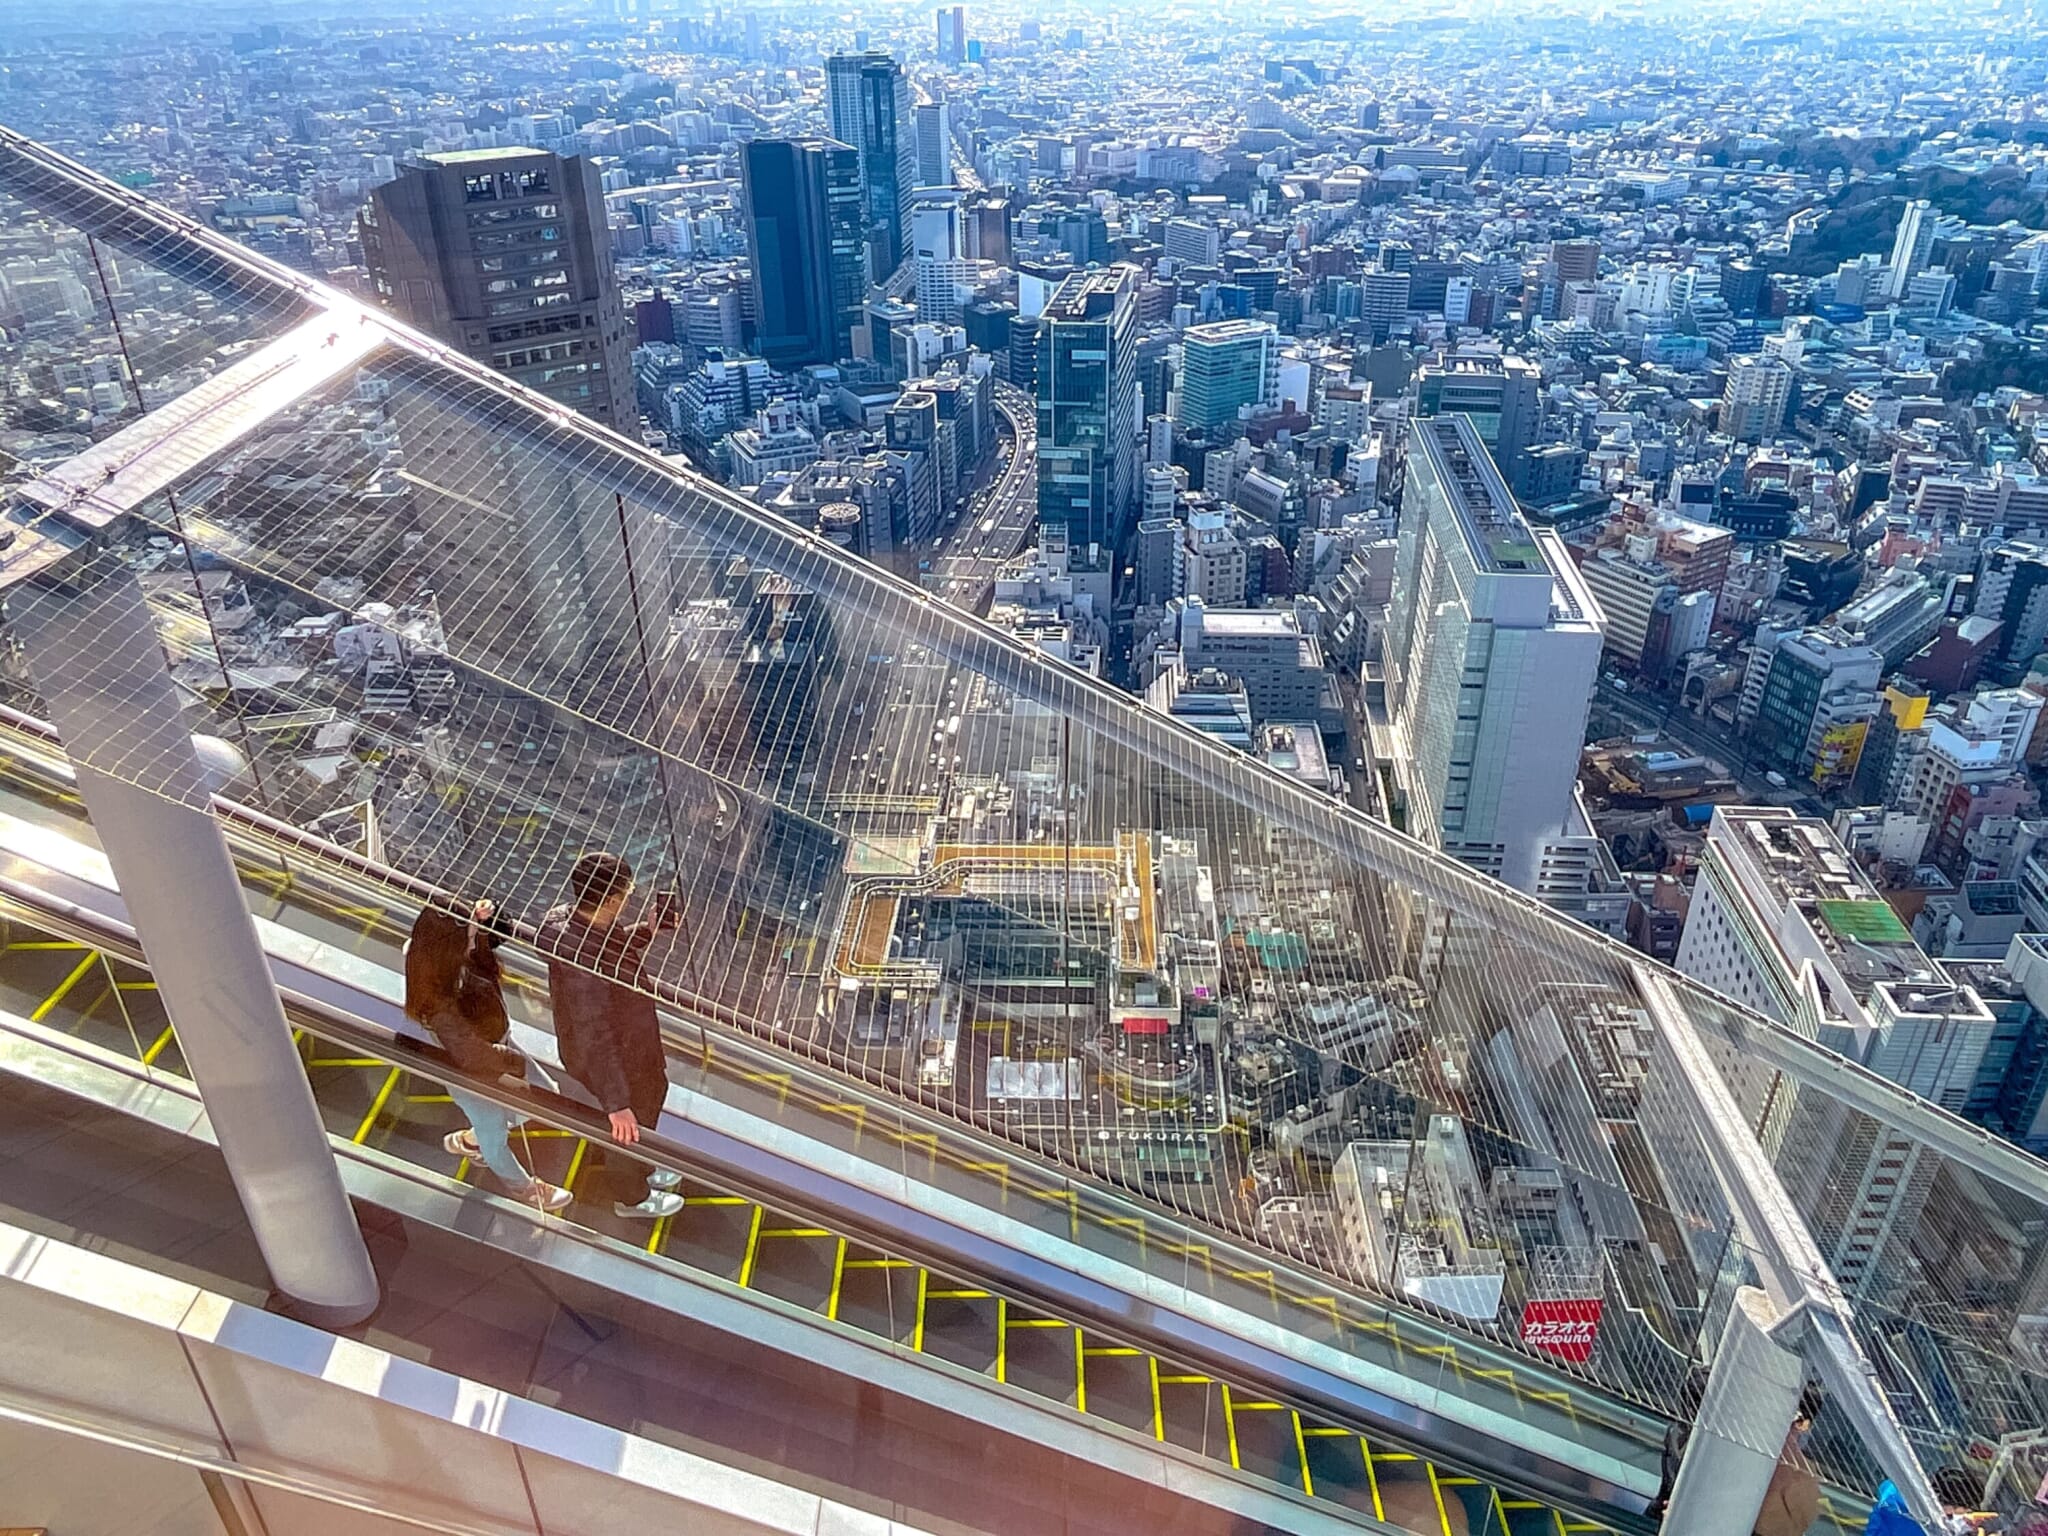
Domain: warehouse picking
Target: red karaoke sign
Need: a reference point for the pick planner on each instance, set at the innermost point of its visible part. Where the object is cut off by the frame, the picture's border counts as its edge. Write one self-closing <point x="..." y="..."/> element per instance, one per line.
<point x="1564" y="1327"/>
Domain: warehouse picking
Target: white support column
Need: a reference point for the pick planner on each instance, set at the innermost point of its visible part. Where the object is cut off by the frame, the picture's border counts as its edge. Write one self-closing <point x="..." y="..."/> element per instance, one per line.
<point x="91" y="646"/>
<point x="1740" y="1430"/>
<point x="85" y="630"/>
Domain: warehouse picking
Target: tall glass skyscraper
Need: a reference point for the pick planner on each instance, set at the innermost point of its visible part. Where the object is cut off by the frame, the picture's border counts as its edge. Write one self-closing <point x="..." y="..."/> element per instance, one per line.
<point x="1087" y="406"/>
<point x="802" y="200"/>
<point x="1226" y="366"/>
<point x="868" y="102"/>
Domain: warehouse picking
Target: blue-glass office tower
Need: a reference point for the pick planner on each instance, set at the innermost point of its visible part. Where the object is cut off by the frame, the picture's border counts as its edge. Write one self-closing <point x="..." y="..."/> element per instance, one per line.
<point x="1087" y="406"/>
<point x="802" y="201"/>
<point x="867" y="100"/>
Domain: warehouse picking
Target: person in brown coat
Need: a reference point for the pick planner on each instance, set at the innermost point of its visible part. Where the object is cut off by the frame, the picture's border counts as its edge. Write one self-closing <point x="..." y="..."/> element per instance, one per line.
<point x="605" y="1020"/>
<point x="1792" y="1502"/>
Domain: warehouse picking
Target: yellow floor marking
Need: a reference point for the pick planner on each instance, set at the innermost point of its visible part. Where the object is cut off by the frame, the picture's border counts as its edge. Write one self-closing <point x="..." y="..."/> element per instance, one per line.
<point x="1372" y="1480"/>
<point x="838" y="1274"/>
<point x="1308" y="1484"/>
<point x="377" y="1106"/>
<point x="1002" y="1338"/>
<point x="917" y="1328"/>
<point x="1158" y="1409"/>
<point x="1000" y="1170"/>
<point x="49" y="1004"/>
<point x="1230" y="1425"/>
<point x="49" y="944"/>
<point x="659" y="1235"/>
<point x="135" y="986"/>
<point x="858" y="1111"/>
<point x="753" y="1242"/>
<point x="796" y="1232"/>
<point x="1081" y="1375"/>
<point x="1443" y="1515"/>
<point x="156" y="1048"/>
<point x="961" y="1295"/>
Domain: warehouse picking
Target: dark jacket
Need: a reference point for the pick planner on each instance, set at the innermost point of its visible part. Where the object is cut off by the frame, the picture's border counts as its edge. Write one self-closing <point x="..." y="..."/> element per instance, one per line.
<point x="605" y="1022"/>
<point x="472" y="1026"/>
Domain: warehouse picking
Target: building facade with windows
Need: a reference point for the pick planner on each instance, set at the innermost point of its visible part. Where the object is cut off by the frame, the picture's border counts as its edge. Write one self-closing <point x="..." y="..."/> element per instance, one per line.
<point x="503" y="254"/>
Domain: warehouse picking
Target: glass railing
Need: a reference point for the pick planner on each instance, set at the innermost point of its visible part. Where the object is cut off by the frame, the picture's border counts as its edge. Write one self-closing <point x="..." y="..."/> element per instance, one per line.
<point x="463" y="631"/>
<point x="359" y="920"/>
<point x="389" y="1094"/>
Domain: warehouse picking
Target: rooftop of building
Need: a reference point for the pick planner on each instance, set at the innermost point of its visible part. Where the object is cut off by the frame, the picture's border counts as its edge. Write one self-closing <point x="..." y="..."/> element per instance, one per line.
<point x="1226" y="330"/>
<point x="1250" y="623"/>
<point x="1803" y="865"/>
<point x="1496" y="531"/>
<point x="486" y="156"/>
<point x="1089" y="295"/>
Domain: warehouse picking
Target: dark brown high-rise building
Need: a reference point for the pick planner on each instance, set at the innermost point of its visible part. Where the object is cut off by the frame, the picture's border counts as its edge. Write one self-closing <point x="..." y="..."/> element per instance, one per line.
<point x="1577" y="261"/>
<point x="504" y="255"/>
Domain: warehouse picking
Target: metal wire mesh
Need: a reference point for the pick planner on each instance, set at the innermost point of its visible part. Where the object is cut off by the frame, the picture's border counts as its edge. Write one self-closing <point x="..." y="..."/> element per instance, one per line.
<point x="475" y="637"/>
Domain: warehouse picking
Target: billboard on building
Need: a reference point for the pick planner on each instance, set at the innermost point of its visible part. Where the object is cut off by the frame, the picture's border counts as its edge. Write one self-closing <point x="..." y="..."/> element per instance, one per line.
<point x="1564" y="1326"/>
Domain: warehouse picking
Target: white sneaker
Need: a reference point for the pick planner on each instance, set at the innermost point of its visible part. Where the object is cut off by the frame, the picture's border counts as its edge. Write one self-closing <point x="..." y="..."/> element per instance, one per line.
<point x="663" y="1178"/>
<point x="462" y="1144"/>
<point x="543" y="1196"/>
<point x="657" y="1204"/>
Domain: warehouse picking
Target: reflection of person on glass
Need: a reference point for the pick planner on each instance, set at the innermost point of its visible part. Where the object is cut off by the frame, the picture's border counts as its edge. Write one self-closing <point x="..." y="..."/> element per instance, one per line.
<point x="605" y="1020"/>
<point x="452" y="988"/>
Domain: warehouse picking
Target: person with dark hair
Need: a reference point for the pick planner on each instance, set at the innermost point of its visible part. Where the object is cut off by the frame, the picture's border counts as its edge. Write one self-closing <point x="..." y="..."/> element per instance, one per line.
<point x="1679" y="1431"/>
<point x="605" y="1022"/>
<point x="1791" y="1502"/>
<point x="452" y="989"/>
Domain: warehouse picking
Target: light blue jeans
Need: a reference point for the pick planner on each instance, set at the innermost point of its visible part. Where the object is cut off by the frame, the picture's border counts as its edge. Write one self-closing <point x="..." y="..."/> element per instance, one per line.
<point x="494" y="1124"/>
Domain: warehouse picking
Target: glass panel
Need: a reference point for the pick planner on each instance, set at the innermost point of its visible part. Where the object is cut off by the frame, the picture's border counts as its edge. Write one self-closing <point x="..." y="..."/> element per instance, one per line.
<point x="380" y="1102"/>
<point x="108" y="313"/>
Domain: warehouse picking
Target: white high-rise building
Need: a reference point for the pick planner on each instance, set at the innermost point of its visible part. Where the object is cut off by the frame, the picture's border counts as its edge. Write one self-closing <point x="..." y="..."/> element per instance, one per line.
<point x="1753" y="404"/>
<point x="1782" y="919"/>
<point x="1492" y="648"/>
<point x="1194" y="241"/>
<point x="934" y="145"/>
<point x="1910" y="246"/>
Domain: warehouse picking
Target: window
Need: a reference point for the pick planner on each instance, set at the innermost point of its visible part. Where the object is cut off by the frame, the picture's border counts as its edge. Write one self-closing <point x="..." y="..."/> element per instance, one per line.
<point x="496" y="216"/>
<point x="479" y="189"/>
<point x="532" y="183"/>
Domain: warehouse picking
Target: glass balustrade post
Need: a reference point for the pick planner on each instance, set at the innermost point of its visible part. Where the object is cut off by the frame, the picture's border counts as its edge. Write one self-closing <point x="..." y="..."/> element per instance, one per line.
<point x="1739" y="1432"/>
<point x="91" y="646"/>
